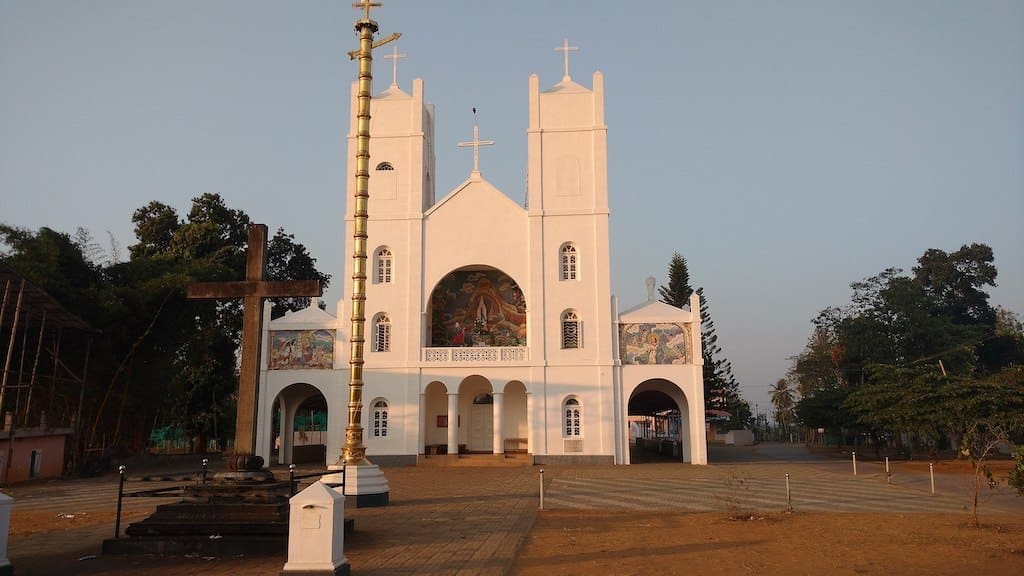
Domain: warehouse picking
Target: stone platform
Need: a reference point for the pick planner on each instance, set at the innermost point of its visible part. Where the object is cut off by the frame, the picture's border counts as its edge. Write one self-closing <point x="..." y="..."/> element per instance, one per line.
<point x="229" y="515"/>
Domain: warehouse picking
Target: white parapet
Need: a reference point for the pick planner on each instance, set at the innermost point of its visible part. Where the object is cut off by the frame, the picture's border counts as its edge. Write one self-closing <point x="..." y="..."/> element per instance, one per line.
<point x="316" y="533"/>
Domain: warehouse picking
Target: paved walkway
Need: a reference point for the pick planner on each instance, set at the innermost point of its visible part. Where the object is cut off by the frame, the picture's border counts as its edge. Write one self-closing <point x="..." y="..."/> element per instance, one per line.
<point x="462" y="521"/>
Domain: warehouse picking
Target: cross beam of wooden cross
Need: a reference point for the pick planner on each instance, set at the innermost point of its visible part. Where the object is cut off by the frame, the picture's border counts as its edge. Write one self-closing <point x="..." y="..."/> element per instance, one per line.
<point x="254" y="289"/>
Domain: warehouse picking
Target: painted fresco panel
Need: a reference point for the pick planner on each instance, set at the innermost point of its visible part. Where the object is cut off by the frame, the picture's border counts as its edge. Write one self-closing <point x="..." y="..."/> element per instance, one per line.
<point x="478" y="308"/>
<point x="662" y="343"/>
<point x="301" y="350"/>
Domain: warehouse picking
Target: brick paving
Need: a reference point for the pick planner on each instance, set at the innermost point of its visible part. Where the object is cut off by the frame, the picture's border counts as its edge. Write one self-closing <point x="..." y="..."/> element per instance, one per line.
<point x="472" y="521"/>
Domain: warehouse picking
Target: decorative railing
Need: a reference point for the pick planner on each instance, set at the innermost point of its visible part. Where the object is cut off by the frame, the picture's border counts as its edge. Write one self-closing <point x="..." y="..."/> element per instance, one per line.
<point x="475" y="355"/>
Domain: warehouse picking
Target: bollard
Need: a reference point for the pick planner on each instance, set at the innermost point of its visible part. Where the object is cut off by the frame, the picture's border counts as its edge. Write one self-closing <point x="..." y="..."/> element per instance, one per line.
<point x="120" y="496"/>
<point x="291" y="480"/>
<point x="789" y="496"/>
<point x="541" y="488"/>
<point x="931" y="473"/>
<point x="888" y="474"/>
<point x="854" y="463"/>
<point x="206" y="463"/>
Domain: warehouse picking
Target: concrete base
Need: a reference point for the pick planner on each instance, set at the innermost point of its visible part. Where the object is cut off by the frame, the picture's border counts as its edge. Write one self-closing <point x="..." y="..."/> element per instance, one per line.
<point x="235" y="515"/>
<point x="342" y="570"/>
<point x="365" y="483"/>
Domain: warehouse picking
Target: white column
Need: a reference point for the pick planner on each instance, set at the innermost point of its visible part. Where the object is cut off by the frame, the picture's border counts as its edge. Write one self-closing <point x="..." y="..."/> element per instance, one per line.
<point x="422" y="435"/>
<point x="281" y="424"/>
<point x="531" y="435"/>
<point x="499" y="423"/>
<point x="453" y="423"/>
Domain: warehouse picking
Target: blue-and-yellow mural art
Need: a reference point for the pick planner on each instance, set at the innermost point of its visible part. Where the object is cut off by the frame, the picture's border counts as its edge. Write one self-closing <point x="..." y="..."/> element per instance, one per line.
<point x="662" y="343"/>
<point x="301" y="350"/>
<point x="477" y="308"/>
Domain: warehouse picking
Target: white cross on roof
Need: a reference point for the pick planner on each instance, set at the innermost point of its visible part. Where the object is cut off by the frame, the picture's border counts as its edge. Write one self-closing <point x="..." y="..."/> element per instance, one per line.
<point x="476" y="144"/>
<point x="565" y="48"/>
<point x="394" y="57"/>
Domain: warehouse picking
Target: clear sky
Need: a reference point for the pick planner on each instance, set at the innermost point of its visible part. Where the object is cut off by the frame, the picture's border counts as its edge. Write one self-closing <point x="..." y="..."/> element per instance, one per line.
<point x="785" y="148"/>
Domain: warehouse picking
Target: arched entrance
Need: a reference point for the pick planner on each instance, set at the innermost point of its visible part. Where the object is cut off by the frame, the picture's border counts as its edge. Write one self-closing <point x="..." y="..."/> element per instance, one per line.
<point x="435" y="418"/>
<point x="515" y="429"/>
<point x="659" y="422"/>
<point x="476" y="401"/>
<point x="299" y="425"/>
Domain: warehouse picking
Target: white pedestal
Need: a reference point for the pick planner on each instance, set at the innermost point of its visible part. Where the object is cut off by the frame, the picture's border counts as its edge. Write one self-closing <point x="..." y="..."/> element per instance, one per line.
<point x="366" y="483"/>
<point x="316" y="533"/>
<point x="6" y="502"/>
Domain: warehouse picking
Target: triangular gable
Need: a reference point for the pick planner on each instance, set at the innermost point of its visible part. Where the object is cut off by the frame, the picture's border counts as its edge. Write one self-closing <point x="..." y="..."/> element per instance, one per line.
<point x="566" y="85"/>
<point x="655" y="312"/>
<point x="309" y="317"/>
<point x="478" y="191"/>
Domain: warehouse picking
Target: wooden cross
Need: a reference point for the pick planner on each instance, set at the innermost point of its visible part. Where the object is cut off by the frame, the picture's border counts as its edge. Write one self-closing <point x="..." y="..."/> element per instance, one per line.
<point x="566" y="48"/>
<point x="254" y="289"/>
<point x="366" y="5"/>
<point x="394" y="57"/>
<point x="476" y="144"/>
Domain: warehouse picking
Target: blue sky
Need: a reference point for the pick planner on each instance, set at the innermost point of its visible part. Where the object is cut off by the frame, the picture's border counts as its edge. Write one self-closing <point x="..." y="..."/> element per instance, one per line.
<point x="785" y="148"/>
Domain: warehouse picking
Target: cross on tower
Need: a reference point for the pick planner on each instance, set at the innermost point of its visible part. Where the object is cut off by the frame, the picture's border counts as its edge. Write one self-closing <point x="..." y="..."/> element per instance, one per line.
<point x="566" y="48"/>
<point x="366" y="5"/>
<point x="476" y="144"/>
<point x="394" y="57"/>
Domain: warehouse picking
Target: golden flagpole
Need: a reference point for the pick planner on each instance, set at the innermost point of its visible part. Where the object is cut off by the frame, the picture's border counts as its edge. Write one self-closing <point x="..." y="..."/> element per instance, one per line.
<point x="354" y="452"/>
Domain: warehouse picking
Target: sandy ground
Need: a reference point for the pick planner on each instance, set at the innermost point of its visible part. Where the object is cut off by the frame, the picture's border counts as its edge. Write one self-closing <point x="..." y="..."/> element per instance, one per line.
<point x="601" y="542"/>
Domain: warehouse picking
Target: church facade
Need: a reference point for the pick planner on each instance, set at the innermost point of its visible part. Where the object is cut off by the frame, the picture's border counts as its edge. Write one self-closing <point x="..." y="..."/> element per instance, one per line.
<point x="490" y="326"/>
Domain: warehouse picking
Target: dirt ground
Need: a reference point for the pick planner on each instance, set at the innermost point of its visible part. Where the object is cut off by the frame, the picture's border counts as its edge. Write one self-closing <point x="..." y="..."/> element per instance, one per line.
<point x="627" y="542"/>
<point x="583" y="542"/>
<point x="623" y="543"/>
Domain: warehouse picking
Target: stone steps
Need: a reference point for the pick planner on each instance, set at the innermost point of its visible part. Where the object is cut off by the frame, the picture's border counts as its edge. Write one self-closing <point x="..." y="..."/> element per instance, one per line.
<point x="508" y="460"/>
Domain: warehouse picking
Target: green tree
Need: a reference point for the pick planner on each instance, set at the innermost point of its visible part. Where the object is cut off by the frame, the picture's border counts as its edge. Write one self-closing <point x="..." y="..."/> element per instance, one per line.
<point x="783" y="400"/>
<point x="159" y="357"/>
<point x="721" y="391"/>
<point x="677" y="292"/>
<point x="914" y="353"/>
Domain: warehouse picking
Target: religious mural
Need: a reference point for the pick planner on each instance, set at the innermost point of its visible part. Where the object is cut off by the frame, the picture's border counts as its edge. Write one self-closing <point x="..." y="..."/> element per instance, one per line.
<point x="654" y="344"/>
<point x="301" y="350"/>
<point x="478" y="308"/>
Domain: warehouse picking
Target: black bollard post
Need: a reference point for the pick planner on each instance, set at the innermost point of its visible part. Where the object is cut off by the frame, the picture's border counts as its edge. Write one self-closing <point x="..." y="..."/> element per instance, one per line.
<point x="206" y="462"/>
<point x="291" y="480"/>
<point x="120" y="497"/>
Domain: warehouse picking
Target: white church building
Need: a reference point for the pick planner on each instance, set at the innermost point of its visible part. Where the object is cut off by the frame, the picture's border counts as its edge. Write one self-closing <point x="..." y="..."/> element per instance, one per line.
<point x="491" y="327"/>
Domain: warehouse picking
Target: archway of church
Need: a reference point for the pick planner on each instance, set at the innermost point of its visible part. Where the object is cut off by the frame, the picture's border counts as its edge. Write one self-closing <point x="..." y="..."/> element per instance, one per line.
<point x="299" y="425"/>
<point x="515" y="430"/>
<point x="476" y="401"/>
<point x="659" y="423"/>
<point x="476" y="306"/>
<point x="435" y="418"/>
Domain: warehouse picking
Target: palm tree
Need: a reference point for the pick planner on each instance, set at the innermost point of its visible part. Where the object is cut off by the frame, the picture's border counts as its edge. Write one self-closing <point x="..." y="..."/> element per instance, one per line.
<point x="784" y="403"/>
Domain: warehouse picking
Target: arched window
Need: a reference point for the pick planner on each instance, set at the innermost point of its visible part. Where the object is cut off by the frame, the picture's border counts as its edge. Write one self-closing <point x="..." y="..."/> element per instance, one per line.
<point x="572" y="424"/>
<point x="382" y="333"/>
<point x="385" y="166"/>
<point x="385" y="262"/>
<point x="572" y="330"/>
<point x="380" y="419"/>
<point x="569" y="262"/>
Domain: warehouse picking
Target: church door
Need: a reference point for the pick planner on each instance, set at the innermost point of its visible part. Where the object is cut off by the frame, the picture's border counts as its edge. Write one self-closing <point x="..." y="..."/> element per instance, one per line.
<point x="481" y="430"/>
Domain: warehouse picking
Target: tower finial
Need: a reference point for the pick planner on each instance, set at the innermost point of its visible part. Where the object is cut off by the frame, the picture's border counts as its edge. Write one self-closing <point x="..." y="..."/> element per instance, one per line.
<point x="394" y="57"/>
<point x="565" y="48"/>
<point x="366" y="5"/>
<point x="476" y="144"/>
